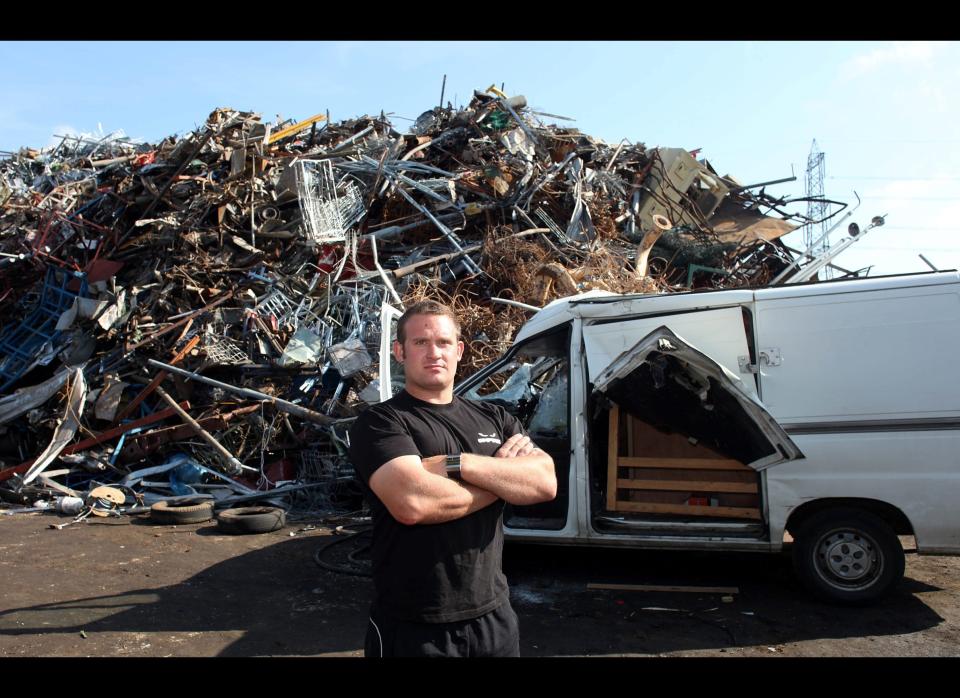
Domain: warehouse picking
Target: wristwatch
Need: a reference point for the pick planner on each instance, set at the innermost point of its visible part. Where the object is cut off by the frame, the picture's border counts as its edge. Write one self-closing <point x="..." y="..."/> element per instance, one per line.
<point x="453" y="467"/>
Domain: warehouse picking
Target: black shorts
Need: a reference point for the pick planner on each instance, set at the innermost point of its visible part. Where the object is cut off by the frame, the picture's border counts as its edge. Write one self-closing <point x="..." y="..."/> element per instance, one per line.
<point x="495" y="634"/>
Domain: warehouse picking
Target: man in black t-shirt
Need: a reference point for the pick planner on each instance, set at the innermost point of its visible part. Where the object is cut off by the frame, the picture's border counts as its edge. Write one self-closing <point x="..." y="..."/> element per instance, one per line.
<point x="436" y="470"/>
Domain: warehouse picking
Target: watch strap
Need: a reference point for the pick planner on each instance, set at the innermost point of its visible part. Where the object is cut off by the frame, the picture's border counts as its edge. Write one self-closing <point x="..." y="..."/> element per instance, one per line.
<point x="453" y="466"/>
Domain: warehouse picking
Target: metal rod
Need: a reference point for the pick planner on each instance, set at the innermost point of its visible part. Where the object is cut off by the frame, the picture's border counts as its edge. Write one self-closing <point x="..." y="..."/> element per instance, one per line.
<point x="809" y="250"/>
<point x="229" y="459"/>
<point x="744" y="187"/>
<point x="517" y="304"/>
<point x="386" y="281"/>
<point x="155" y="383"/>
<point x="351" y="139"/>
<point x="471" y="266"/>
<point x="282" y="405"/>
<point x="928" y="262"/>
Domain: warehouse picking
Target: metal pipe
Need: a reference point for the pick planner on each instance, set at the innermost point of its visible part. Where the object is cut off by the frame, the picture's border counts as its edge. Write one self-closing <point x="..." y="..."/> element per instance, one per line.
<point x="229" y="459"/>
<point x="744" y="187"/>
<point x="471" y="266"/>
<point x="526" y="129"/>
<point x="351" y="139"/>
<point x="807" y="252"/>
<point x="517" y="304"/>
<point x="282" y="405"/>
<point x="392" y="230"/>
<point x="376" y="263"/>
<point x="928" y="262"/>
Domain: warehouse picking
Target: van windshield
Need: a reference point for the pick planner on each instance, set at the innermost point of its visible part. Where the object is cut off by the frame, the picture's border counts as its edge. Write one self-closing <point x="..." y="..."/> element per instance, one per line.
<point x="533" y="384"/>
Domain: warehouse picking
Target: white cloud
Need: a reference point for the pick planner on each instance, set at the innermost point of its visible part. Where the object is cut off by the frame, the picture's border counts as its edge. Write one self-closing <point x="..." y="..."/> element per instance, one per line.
<point x="899" y="53"/>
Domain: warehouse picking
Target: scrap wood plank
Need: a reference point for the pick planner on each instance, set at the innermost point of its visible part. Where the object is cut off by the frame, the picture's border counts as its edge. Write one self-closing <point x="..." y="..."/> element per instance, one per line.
<point x="751" y="513"/>
<point x="613" y="450"/>
<point x="7" y="473"/>
<point x="689" y="486"/>
<point x="667" y="587"/>
<point x="688" y="463"/>
<point x="292" y="130"/>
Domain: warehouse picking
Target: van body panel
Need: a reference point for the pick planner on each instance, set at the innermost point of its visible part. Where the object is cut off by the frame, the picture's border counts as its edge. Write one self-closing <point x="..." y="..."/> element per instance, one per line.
<point x="719" y="333"/>
<point x="917" y="472"/>
<point x="862" y="380"/>
<point x="892" y="354"/>
<point x="599" y="305"/>
<point x="601" y="540"/>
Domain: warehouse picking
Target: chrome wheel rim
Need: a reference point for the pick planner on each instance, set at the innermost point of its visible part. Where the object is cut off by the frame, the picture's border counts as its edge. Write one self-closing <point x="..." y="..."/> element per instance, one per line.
<point x="848" y="559"/>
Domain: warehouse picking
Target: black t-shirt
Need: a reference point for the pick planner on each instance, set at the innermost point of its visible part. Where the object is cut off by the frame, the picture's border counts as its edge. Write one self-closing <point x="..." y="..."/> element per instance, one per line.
<point x="433" y="573"/>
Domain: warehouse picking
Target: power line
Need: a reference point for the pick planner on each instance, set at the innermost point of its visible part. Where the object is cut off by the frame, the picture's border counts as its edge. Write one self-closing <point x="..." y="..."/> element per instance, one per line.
<point x="906" y="179"/>
<point x="917" y="227"/>
<point x="913" y="198"/>
<point x="914" y="247"/>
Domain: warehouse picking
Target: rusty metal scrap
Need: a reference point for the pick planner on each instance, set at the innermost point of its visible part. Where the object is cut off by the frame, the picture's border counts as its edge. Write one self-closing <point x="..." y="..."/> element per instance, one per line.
<point x="258" y="257"/>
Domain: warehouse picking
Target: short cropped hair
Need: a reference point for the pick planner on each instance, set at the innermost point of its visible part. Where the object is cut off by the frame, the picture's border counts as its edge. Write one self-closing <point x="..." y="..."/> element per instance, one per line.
<point x="427" y="307"/>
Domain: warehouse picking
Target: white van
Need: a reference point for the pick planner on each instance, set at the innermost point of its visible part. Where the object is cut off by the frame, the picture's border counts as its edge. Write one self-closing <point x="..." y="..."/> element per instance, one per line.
<point x="722" y="419"/>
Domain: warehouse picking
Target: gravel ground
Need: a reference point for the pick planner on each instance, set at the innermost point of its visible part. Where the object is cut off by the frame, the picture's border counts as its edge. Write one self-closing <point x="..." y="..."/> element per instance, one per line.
<point x="125" y="587"/>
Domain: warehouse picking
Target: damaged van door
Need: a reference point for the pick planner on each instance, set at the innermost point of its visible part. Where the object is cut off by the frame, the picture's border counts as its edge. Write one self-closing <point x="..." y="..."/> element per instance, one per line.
<point x="678" y="448"/>
<point x="668" y="383"/>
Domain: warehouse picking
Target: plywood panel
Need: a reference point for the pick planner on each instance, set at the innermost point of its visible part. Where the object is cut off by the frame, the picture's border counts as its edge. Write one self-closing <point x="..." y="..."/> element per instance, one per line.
<point x="648" y="441"/>
<point x="687" y="475"/>
<point x="689" y="463"/>
<point x="727" y="512"/>
<point x="689" y="486"/>
<point x="665" y="470"/>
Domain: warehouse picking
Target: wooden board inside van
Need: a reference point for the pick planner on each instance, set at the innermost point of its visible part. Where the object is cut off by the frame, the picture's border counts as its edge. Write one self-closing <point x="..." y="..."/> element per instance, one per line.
<point x="649" y="471"/>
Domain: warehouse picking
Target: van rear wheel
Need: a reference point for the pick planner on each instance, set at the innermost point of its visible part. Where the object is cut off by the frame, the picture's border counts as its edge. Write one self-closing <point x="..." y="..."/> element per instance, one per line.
<point x="847" y="556"/>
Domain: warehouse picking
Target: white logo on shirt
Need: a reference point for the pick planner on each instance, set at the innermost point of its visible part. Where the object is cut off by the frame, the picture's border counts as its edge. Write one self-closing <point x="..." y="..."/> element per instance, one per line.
<point x="488" y="438"/>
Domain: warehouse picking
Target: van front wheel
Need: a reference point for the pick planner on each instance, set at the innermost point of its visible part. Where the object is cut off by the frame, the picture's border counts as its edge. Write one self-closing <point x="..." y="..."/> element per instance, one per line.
<point x="847" y="556"/>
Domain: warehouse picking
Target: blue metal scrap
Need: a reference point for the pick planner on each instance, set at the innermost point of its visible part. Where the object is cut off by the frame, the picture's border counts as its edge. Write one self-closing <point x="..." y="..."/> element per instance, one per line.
<point x="21" y="344"/>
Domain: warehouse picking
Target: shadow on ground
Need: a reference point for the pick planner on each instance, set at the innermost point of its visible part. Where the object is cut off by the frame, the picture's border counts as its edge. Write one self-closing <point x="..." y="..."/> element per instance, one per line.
<point x="280" y="602"/>
<point x="561" y="616"/>
<point x="278" y="597"/>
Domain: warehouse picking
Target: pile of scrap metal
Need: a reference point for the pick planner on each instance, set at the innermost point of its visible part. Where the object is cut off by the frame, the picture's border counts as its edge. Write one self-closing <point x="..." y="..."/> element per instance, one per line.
<point x="205" y="316"/>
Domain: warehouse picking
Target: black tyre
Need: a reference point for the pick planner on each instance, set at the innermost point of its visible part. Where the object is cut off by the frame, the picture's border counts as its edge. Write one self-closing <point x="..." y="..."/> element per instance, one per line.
<point x="182" y="512"/>
<point x="847" y="556"/>
<point x="252" y="519"/>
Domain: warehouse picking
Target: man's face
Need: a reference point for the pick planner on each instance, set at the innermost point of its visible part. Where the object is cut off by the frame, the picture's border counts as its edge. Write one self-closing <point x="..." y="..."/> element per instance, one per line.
<point x="430" y="352"/>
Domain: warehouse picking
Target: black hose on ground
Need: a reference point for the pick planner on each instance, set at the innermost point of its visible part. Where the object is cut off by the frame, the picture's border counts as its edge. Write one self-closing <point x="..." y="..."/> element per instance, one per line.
<point x="317" y="556"/>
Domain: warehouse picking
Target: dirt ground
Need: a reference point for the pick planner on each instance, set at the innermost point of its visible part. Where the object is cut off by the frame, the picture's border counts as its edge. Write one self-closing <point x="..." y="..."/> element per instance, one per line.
<point x="125" y="587"/>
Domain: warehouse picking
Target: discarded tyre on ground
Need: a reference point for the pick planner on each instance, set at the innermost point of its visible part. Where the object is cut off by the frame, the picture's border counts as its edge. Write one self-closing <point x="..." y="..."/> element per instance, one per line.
<point x="184" y="511"/>
<point x="252" y="519"/>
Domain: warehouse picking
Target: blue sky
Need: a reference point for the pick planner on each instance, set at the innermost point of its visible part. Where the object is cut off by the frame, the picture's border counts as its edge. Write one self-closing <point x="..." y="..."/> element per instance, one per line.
<point x="884" y="113"/>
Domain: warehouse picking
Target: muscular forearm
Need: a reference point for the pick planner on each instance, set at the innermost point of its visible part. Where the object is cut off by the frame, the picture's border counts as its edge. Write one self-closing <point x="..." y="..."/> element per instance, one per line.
<point x="418" y="491"/>
<point x="518" y="480"/>
<point x="446" y="500"/>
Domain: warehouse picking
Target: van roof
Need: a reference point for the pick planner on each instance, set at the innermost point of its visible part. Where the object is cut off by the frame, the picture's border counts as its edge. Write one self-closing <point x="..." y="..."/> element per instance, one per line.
<point x="600" y="304"/>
